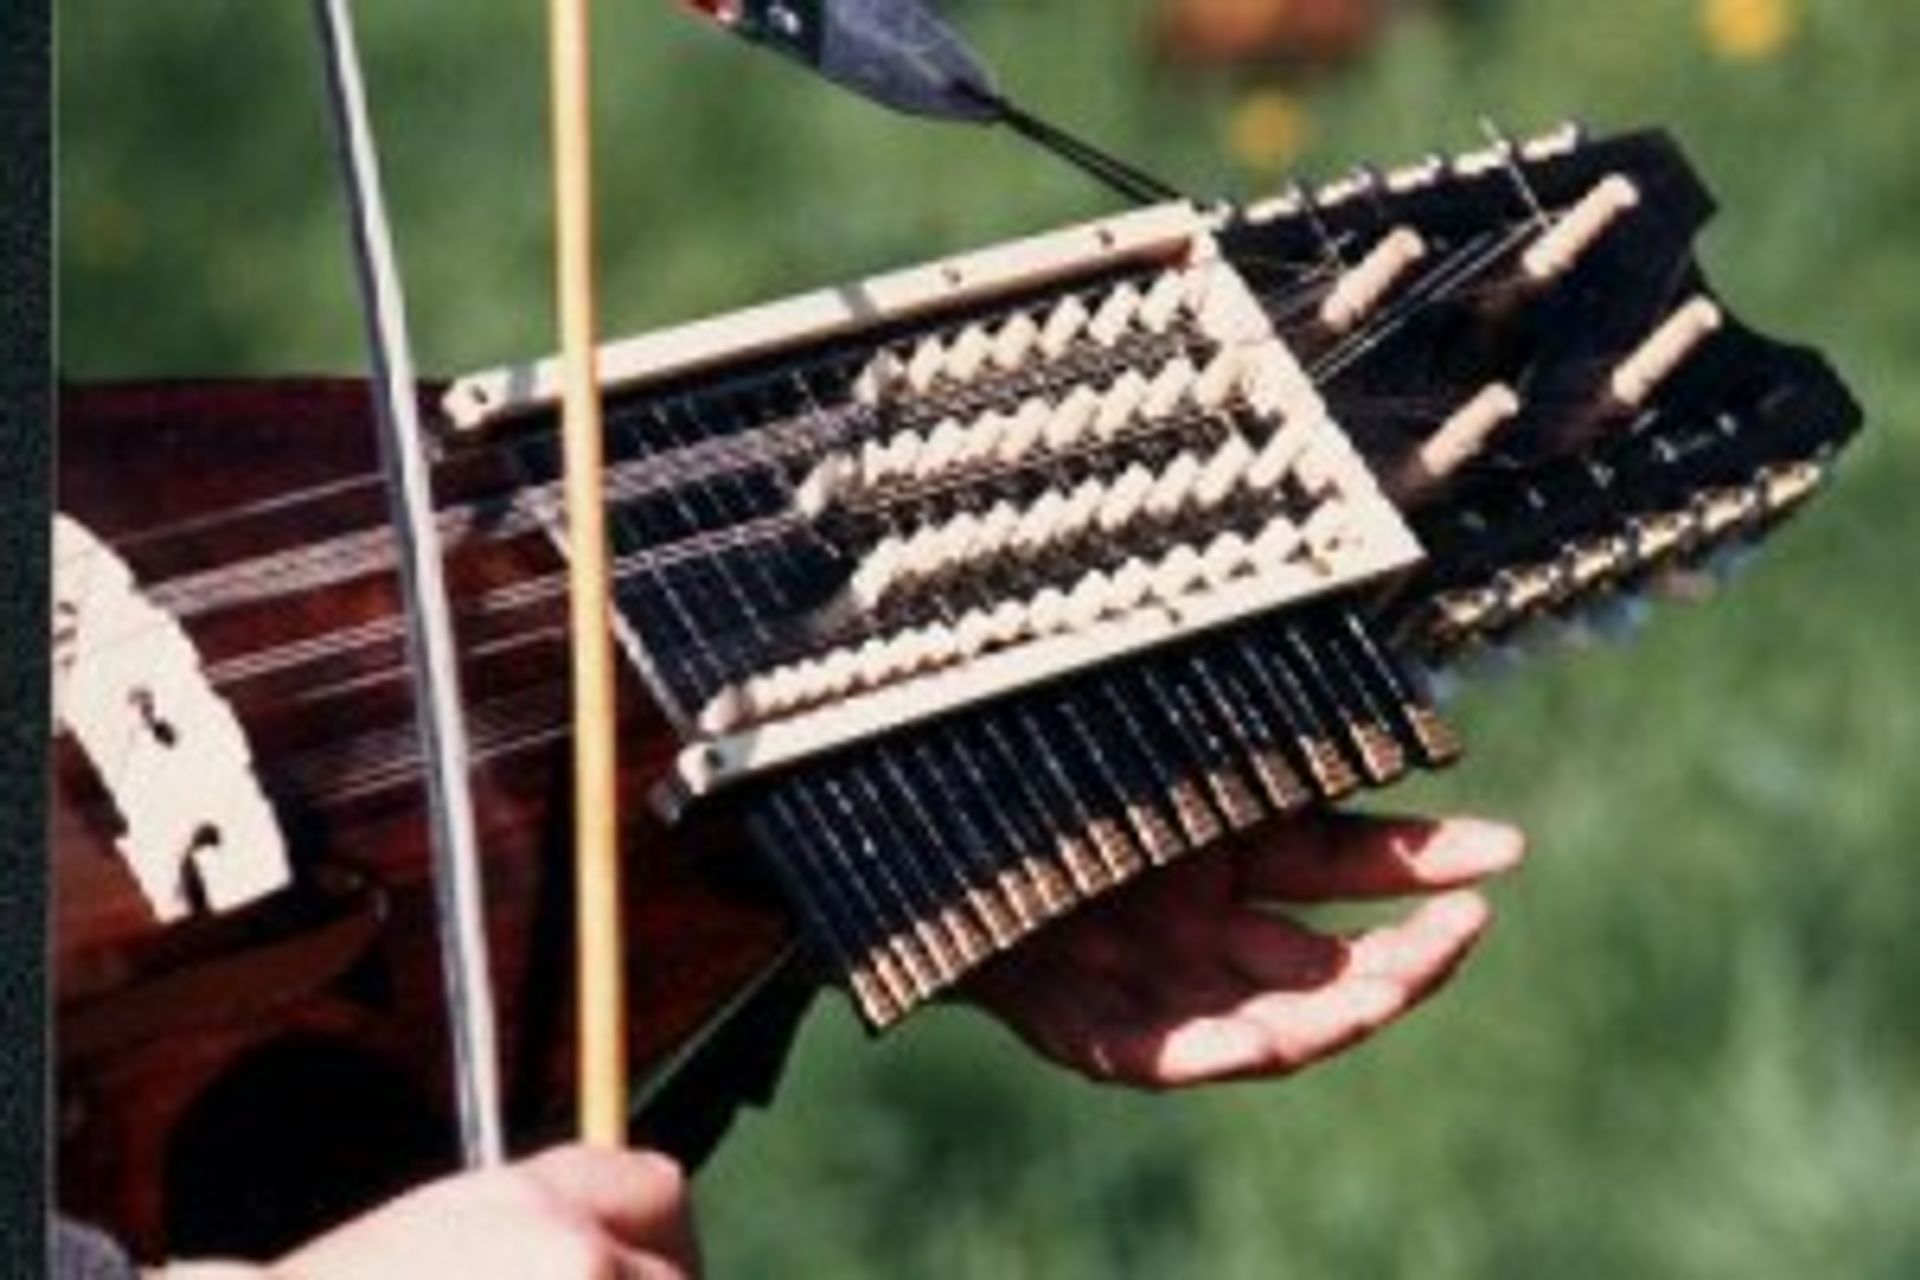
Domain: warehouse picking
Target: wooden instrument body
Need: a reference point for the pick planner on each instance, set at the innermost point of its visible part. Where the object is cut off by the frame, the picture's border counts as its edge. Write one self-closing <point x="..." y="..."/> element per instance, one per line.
<point x="294" y="1053"/>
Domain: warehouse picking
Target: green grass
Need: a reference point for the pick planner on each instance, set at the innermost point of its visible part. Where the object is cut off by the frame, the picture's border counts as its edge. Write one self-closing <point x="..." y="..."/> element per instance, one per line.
<point x="1692" y="1046"/>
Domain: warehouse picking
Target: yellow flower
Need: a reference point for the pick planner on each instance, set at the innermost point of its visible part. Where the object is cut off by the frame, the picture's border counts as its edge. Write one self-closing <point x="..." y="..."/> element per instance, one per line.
<point x="1268" y="131"/>
<point x="1749" y="30"/>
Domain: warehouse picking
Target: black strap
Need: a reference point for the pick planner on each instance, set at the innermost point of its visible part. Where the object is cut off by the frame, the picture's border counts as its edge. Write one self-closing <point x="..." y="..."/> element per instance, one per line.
<point x="740" y="1064"/>
<point x="1102" y="166"/>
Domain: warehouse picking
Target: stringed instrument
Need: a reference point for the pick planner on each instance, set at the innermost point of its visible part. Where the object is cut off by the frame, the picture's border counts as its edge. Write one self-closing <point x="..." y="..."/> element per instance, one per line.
<point x="948" y="603"/>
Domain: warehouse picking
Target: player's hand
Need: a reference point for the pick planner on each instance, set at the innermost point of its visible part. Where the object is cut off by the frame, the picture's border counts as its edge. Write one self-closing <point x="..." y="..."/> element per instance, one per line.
<point x="572" y="1213"/>
<point x="1196" y="975"/>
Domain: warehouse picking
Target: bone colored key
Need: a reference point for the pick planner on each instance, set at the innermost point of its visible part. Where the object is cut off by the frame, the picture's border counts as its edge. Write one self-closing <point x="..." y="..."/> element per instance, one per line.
<point x="968" y="354"/>
<point x="1115" y="315"/>
<point x="926" y="364"/>
<point x="1163" y="302"/>
<point x="1169" y="387"/>
<point x="1015" y="342"/>
<point x="835" y="476"/>
<point x="1065" y="323"/>
<point x="1125" y="499"/>
<point x="1120" y="405"/>
<point x="882" y="374"/>
<point x="1219" y="380"/>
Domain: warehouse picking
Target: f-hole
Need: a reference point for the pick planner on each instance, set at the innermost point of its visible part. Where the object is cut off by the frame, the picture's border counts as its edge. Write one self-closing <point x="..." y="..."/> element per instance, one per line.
<point x="158" y="725"/>
<point x="206" y="837"/>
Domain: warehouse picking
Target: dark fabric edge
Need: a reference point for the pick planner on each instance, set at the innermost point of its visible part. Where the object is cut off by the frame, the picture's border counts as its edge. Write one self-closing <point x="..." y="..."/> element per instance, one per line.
<point x="25" y="457"/>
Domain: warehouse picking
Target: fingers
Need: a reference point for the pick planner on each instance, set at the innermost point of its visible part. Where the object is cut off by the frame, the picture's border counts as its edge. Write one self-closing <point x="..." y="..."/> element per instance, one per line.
<point x="1192" y="983"/>
<point x="1285" y="1020"/>
<point x="639" y="1198"/>
<point x="1269" y="1036"/>
<point x="1339" y="857"/>
<point x="573" y="1213"/>
<point x="1389" y="971"/>
<point x="633" y="1265"/>
<point x="1277" y="954"/>
<point x="1202" y="1051"/>
<point x="1419" y="952"/>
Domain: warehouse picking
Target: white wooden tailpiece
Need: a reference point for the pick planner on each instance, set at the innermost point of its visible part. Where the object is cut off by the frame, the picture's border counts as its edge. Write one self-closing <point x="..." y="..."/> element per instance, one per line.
<point x="1354" y="536"/>
<point x="129" y="686"/>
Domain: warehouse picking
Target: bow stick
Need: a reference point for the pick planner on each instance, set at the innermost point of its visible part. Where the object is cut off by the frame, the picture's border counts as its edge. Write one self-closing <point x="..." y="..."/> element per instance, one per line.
<point x="603" y="1039"/>
<point x="433" y="660"/>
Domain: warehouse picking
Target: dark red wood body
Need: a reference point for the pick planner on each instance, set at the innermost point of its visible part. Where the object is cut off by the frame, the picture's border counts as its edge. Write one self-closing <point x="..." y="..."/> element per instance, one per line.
<point x="188" y="1054"/>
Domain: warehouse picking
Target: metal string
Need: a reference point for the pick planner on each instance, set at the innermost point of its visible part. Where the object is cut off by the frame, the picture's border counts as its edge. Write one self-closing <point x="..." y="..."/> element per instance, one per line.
<point x="816" y="421"/>
<point x="274" y="581"/>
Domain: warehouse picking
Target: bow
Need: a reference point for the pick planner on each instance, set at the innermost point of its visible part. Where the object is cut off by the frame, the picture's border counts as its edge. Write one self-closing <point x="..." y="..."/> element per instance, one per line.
<point x="900" y="55"/>
<point x="432" y="654"/>
<point x="432" y="657"/>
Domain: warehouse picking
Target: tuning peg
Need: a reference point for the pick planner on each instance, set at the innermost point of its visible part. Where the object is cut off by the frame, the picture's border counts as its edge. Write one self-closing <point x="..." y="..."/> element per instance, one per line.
<point x="1635" y="381"/>
<point x="1459" y="439"/>
<point x="1359" y="291"/>
<point x="1580" y="228"/>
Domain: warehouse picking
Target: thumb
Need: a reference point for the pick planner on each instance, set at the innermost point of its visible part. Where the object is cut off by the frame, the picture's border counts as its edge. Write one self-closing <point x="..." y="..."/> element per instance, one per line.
<point x="640" y="1198"/>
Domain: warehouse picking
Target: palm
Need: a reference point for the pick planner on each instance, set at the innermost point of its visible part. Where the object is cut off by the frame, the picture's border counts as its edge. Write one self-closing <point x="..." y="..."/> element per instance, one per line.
<point x="1194" y="976"/>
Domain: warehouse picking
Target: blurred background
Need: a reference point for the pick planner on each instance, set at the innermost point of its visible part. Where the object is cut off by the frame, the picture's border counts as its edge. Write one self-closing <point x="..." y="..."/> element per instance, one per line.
<point x="1692" y="1046"/>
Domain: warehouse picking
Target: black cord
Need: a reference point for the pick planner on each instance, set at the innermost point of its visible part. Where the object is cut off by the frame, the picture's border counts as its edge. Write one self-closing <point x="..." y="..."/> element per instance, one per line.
<point x="1104" y="167"/>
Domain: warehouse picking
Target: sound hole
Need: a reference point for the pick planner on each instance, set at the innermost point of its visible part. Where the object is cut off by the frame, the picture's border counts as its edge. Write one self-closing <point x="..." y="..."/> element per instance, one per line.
<point x="302" y="1134"/>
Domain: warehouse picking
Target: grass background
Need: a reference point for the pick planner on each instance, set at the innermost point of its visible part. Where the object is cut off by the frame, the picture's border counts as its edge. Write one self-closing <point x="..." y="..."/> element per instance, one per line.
<point x="1692" y="1047"/>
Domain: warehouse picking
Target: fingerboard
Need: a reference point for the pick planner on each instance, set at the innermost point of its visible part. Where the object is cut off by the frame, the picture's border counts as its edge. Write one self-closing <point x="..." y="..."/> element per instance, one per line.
<point x="982" y="588"/>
